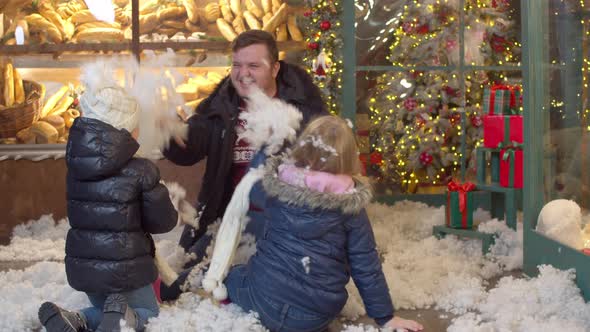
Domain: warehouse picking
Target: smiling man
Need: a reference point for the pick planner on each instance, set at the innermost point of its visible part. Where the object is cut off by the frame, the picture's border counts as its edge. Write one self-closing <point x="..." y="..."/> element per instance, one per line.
<point x="212" y="130"/>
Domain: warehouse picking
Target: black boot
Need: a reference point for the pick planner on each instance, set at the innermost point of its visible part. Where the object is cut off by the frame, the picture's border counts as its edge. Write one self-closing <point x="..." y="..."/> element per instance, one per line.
<point x="115" y="307"/>
<point x="56" y="319"/>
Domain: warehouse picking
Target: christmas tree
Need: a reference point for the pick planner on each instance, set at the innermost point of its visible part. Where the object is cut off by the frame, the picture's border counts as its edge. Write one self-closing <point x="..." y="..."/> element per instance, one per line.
<point x="417" y="115"/>
<point x="323" y="54"/>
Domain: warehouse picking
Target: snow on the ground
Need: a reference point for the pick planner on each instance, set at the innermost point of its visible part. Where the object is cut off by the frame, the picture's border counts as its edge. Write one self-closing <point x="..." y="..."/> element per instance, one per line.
<point x="421" y="271"/>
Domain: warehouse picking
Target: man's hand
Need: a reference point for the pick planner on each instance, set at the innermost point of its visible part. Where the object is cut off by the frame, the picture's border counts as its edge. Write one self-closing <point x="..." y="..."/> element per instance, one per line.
<point x="404" y="324"/>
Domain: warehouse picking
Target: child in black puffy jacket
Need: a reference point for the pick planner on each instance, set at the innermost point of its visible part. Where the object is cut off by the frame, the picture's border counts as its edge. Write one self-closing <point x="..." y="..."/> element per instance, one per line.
<point x="115" y="201"/>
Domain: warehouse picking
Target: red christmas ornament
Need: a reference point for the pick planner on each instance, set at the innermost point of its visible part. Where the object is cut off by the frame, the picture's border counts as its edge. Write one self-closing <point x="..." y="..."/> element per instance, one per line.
<point x="325" y="25"/>
<point x="307" y="13"/>
<point x="455" y="118"/>
<point x="423" y="29"/>
<point x="410" y="104"/>
<point x="498" y="43"/>
<point x="476" y="121"/>
<point x="426" y="158"/>
<point x="313" y="45"/>
<point x="376" y="158"/>
<point x="451" y="92"/>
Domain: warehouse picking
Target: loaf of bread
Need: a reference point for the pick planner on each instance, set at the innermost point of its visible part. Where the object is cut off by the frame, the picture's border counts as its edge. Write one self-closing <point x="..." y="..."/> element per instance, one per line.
<point x="282" y="34"/>
<point x="212" y="12"/>
<point x="171" y="13"/>
<point x="253" y="8"/>
<point x="192" y="11"/>
<point x="57" y="122"/>
<point x="236" y="7"/>
<point x="100" y="35"/>
<point x="266" y="6"/>
<point x="226" y="12"/>
<point x="276" y="5"/>
<point x="98" y="24"/>
<point x="8" y="84"/>
<point x="40" y="24"/>
<point x="175" y="24"/>
<point x="44" y="133"/>
<point x="252" y="21"/>
<point x="147" y="23"/>
<point x="46" y="10"/>
<point x="227" y="31"/>
<point x="277" y="19"/>
<point x="83" y="16"/>
<point x="25" y="136"/>
<point x="294" y="29"/>
<point x="239" y="25"/>
<point x="19" y="91"/>
<point x="190" y="26"/>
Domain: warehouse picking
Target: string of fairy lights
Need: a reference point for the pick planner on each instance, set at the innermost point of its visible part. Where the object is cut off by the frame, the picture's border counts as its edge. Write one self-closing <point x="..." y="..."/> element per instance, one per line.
<point x="418" y="114"/>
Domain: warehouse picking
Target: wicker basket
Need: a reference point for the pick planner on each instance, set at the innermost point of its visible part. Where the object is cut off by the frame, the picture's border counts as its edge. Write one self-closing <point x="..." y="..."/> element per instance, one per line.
<point x="18" y="117"/>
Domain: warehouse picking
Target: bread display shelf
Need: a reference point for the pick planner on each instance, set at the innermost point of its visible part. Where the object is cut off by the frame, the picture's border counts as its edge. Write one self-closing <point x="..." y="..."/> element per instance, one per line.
<point x="57" y="49"/>
<point x="33" y="152"/>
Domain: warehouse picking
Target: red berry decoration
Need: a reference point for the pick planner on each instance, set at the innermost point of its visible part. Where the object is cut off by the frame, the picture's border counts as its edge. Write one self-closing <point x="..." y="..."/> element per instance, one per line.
<point x="313" y="45"/>
<point x="476" y="121"/>
<point x="426" y="158"/>
<point x="410" y="104"/>
<point x="325" y="25"/>
<point x="307" y="13"/>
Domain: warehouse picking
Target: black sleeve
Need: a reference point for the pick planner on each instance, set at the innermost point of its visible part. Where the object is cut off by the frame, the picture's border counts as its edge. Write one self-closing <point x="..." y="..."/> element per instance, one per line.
<point x="199" y="131"/>
<point x="158" y="215"/>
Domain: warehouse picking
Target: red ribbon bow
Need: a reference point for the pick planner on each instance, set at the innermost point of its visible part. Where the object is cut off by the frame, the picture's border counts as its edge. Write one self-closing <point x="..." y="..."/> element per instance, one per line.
<point x="463" y="189"/>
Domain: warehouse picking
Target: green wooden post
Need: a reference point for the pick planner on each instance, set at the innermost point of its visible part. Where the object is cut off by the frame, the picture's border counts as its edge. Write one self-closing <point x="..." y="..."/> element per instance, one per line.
<point x="481" y="165"/>
<point x="495" y="176"/>
<point x="349" y="62"/>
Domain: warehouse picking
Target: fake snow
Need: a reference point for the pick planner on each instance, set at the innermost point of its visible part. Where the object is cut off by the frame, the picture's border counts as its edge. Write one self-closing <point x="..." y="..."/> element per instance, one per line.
<point x="421" y="271"/>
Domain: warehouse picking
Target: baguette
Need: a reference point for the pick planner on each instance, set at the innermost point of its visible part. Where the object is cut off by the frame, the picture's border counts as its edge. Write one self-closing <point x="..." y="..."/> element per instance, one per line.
<point x="226" y="30"/>
<point x="282" y="34"/>
<point x="100" y="35"/>
<point x="53" y="100"/>
<point x="8" y="85"/>
<point x="253" y="8"/>
<point x="266" y="18"/>
<point x="238" y="25"/>
<point x="212" y="12"/>
<point x="252" y="21"/>
<point x="83" y="16"/>
<point x="70" y="29"/>
<point x="47" y="11"/>
<point x="277" y="19"/>
<point x="192" y="12"/>
<point x="266" y="6"/>
<point x="19" y="91"/>
<point x="61" y="107"/>
<point x="236" y="7"/>
<point x="226" y="11"/>
<point x="38" y="23"/>
<point x="294" y="31"/>
<point x="276" y="5"/>
<point x="171" y="13"/>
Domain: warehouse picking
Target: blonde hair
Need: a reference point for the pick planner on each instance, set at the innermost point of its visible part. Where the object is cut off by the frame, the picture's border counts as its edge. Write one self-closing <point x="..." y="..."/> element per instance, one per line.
<point x="328" y="145"/>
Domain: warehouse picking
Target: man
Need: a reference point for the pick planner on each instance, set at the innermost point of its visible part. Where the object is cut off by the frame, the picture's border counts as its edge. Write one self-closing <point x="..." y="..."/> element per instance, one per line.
<point x="212" y="130"/>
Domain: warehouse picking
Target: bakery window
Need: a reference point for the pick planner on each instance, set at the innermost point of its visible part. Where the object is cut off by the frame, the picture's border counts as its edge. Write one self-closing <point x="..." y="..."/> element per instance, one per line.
<point x="44" y="43"/>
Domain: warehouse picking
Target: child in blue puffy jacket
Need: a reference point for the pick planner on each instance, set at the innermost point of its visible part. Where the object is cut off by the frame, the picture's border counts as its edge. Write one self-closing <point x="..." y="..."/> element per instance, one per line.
<point x="317" y="235"/>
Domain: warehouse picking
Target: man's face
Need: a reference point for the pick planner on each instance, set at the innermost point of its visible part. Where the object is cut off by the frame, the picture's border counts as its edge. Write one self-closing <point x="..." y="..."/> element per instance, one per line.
<point x="251" y="65"/>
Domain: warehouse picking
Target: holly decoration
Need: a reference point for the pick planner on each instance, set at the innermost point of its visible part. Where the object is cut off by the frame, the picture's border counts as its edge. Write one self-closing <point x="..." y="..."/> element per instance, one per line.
<point x="425" y="158"/>
<point x="325" y="25"/>
<point x="313" y="45"/>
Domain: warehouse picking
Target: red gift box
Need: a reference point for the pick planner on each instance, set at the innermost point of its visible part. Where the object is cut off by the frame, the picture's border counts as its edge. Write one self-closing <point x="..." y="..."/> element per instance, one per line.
<point x="511" y="167"/>
<point x="502" y="129"/>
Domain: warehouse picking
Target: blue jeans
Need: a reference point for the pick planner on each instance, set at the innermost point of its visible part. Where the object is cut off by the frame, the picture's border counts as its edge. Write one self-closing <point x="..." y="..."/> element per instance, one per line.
<point x="142" y="300"/>
<point x="274" y="315"/>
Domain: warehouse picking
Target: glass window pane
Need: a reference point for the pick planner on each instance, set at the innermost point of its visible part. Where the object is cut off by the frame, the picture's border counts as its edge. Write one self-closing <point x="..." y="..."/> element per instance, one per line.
<point x="566" y="109"/>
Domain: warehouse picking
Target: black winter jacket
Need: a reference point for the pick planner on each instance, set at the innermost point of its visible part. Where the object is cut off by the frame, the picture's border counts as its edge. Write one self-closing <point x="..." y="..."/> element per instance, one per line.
<point x="212" y="135"/>
<point x="114" y="202"/>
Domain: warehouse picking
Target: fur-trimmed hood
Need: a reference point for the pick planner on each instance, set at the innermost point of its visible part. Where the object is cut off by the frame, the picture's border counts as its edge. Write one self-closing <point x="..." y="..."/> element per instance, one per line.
<point x="303" y="197"/>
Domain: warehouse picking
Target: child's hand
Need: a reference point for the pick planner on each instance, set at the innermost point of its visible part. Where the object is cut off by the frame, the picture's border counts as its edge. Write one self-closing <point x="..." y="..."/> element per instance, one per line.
<point x="404" y="324"/>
